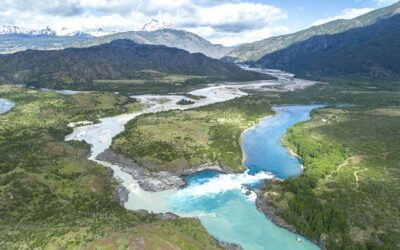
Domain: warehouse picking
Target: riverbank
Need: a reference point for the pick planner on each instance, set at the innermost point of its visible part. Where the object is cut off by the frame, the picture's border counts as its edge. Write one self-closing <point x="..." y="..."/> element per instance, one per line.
<point x="260" y="202"/>
<point x="263" y="205"/>
<point x="231" y="119"/>
<point x="222" y="185"/>
<point x="241" y="138"/>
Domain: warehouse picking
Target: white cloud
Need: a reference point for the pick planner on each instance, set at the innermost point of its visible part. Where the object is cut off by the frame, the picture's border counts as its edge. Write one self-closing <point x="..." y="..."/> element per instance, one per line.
<point x="345" y="14"/>
<point x="246" y="36"/>
<point x="222" y="21"/>
<point x="385" y="2"/>
<point x="235" y="17"/>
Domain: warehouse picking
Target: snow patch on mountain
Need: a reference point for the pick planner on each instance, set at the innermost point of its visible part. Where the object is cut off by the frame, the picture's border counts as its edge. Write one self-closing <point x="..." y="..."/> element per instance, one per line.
<point x="154" y="25"/>
<point x="83" y="32"/>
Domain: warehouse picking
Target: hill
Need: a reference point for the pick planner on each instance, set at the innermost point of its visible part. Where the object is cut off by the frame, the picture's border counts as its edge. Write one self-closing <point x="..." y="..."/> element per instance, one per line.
<point x="371" y="52"/>
<point x="169" y="37"/>
<point x="256" y="50"/>
<point x="121" y="62"/>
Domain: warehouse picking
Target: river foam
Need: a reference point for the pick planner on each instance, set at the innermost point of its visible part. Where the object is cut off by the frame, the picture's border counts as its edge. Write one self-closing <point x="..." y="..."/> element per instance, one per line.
<point x="222" y="184"/>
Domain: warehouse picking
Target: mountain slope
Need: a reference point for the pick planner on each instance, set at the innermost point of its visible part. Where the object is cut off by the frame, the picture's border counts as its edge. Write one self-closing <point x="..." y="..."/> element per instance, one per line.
<point x="256" y="50"/>
<point x="371" y="52"/>
<point x="118" y="60"/>
<point x="169" y="37"/>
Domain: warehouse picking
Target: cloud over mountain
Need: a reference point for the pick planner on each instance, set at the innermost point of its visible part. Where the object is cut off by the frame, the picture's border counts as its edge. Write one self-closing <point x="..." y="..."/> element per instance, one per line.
<point x="220" y="21"/>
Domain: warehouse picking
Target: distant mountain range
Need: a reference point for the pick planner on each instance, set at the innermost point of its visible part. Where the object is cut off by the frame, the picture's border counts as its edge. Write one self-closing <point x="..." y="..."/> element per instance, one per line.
<point x="119" y="60"/>
<point x="13" y="39"/>
<point x="370" y="52"/>
<point x="256" y="50"/>
<point x="15" y="30"/>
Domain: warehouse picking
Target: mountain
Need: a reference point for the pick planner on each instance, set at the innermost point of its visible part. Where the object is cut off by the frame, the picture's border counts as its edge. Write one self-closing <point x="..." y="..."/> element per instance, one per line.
<point x="370" y="52"/>
<point x="119" y="60"/>
<point x="157" y="33"/>
<point x="256" y="50"/>
<point x="13" y="39"/>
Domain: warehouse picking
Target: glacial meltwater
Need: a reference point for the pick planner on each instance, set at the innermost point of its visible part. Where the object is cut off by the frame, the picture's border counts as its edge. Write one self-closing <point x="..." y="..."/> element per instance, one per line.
<point x="222" y="202"/>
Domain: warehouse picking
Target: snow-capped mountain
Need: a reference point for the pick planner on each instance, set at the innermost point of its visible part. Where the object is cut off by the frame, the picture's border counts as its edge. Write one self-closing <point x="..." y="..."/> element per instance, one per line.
<point x="82" y="32"/>
<point x="154" y="25"/>
<point x="43" y="32"/>
<point x="10" y="29"/>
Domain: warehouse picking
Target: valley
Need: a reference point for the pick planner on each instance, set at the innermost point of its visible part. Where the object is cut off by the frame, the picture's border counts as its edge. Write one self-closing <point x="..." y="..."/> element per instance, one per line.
<point x="284" y="136"/>
<point x="251" y="108"/>
<point x="232" y="116"/>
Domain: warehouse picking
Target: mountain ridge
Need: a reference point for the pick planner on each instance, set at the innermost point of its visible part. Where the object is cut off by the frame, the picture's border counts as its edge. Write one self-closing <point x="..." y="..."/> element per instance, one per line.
<point x="254" y="51"/>
<point x="370" y="52"/>
<point x="119" y="60"/>
<point x="168" y="37"/>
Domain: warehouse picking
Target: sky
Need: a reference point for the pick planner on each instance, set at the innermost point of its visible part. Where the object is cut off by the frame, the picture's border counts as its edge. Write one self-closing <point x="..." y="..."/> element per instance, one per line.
<point x="227" y="22"/>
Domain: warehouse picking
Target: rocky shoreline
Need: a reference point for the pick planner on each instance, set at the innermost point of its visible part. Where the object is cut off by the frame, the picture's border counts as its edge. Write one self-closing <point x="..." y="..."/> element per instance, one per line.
<point x="154" y="181"/>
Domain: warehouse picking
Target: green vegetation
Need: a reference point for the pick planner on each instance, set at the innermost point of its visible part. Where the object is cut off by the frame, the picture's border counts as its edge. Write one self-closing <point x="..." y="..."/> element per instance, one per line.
<point x="52" y="197"/>
<point x="150" y="81"/>
<point x="185" y="102"/>
<point x="178" y="140"/>
<point x="177" y="234"/>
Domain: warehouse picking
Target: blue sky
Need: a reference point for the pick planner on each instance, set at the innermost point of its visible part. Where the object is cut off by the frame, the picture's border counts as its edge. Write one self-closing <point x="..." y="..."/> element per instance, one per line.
<point x="227" y="22"/>
<point x="302" y="13"/>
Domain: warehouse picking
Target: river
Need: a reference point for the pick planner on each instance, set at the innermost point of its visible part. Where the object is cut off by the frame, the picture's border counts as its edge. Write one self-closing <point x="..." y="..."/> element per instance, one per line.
<point x="222" y="202"/>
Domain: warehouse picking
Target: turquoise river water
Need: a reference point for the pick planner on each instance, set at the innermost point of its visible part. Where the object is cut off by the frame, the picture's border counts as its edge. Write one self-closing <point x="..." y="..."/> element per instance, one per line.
<point x="224" y="203"/>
